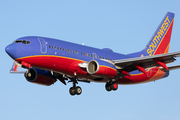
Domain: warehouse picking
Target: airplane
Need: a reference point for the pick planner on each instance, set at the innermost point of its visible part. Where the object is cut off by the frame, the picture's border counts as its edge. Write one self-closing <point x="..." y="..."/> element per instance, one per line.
<point x="48" y="60"/>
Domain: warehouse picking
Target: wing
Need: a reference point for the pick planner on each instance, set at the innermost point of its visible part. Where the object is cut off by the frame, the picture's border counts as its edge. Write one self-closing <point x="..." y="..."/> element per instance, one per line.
<point x="141" y="63"/>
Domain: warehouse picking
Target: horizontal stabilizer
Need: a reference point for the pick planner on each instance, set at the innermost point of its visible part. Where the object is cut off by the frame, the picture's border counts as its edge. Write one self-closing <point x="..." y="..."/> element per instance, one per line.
<point x="173" y="67"/>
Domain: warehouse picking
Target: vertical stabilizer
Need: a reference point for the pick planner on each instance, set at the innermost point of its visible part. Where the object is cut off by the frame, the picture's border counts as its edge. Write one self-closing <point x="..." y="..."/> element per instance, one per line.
<point x="159" y="42"/>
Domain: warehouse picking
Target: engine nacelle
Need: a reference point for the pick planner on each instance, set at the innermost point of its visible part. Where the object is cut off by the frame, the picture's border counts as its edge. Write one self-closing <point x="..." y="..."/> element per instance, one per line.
<point x="100" y="68"/>
<point x="40" y="76"/>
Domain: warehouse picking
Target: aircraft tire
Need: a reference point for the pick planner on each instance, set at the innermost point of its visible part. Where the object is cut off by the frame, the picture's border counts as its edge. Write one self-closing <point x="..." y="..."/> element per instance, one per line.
<point x="78" y="90"/>
<point x="108" y="87"/>
<point x="72" y="91"/>
<point x="114" y="86"/>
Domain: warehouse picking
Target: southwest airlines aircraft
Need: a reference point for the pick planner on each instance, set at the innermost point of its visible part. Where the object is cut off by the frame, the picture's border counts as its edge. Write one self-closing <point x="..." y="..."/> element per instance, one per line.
<point x="48" y="60"/>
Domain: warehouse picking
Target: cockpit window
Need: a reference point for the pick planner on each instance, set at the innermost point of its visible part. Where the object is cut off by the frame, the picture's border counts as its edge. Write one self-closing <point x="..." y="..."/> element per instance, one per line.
<point x="22" y="41"/>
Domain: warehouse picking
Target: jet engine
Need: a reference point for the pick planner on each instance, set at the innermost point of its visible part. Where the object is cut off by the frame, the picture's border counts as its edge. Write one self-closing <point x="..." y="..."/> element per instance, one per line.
<point x="39" y="76"/>
<point x="100" y="68"/>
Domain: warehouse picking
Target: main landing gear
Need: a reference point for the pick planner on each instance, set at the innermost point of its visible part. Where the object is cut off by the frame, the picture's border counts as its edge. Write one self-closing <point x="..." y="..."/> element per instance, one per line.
<point x="111" y="86"/>
<point x="75" y="90"/>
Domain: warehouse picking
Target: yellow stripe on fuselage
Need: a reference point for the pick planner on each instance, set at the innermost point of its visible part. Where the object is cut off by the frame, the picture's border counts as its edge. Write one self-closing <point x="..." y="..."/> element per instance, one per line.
<point x="48" y="56"/>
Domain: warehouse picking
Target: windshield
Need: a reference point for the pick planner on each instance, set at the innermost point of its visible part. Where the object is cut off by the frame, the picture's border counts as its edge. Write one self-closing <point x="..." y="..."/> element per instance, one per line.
<point x="22" y="41"/>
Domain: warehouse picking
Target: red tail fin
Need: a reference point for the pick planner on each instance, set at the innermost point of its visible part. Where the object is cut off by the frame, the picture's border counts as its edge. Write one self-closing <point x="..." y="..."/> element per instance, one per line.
<point x="159" y="43"/>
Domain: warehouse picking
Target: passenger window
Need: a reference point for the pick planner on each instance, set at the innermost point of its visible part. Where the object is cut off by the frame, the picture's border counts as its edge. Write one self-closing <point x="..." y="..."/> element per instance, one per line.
<point x="49" y="46"/>
<point x="55" y="47"/>
<point x="76" y="52"/>
<point x="52" y="47"/>
<point x="58" y="48"/>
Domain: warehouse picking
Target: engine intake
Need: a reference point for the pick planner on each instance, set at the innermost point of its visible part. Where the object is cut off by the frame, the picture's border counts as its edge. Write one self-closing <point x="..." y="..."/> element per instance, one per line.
<point x="39" y="76"/>
<point x="100" y="68"/>
<point x="93" y="67"/>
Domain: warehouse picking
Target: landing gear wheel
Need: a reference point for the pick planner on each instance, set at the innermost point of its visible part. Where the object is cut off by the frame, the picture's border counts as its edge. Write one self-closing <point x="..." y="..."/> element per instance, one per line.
<point x="108" y="87"/>
<point x="114" y="86"/>
<point x="72" y="91"/>
<point x="75" y="90"/>
<point x="111" y="86"/>
<point x="78" y="90"/>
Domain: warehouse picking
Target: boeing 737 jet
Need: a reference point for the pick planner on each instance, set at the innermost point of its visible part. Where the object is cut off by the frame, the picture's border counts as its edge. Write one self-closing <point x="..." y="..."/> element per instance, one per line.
<point x="48" y="60"/>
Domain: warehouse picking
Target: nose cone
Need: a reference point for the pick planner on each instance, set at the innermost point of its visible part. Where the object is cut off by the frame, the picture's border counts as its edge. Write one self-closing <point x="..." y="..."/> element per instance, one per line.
<point x="11" y="50"/>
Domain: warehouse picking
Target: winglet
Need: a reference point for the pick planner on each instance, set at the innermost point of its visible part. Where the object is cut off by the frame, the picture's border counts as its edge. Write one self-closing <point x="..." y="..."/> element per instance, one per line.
<point x="14" y="68"/>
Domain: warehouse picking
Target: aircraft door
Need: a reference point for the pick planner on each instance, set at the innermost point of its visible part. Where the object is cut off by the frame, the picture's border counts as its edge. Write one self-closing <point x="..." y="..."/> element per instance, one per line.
<point x="43" y="46"/>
